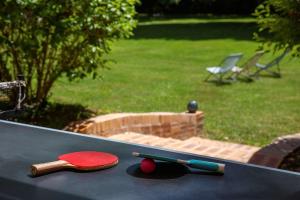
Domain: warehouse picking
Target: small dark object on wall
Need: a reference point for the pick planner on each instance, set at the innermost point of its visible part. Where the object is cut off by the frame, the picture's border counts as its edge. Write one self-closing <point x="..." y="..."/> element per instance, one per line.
<point x="192" y="106"/>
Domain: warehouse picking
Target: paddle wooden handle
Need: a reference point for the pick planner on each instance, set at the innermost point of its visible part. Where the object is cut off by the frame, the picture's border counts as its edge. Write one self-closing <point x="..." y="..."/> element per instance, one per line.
<point x="43" y="168"/>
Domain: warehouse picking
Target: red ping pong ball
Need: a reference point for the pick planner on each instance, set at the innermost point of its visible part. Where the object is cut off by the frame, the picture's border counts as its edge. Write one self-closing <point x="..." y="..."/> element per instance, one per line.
<point x="148" y="165"/>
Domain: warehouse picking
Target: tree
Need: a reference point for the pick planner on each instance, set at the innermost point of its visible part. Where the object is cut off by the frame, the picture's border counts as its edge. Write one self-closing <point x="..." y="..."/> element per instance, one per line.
<point x="45" y="39"/>
<point x="279" y="22"/>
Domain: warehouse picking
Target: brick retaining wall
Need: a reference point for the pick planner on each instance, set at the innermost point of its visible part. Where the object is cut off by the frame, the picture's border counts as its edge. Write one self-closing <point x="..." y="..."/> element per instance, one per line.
<point x="163" y="124"/>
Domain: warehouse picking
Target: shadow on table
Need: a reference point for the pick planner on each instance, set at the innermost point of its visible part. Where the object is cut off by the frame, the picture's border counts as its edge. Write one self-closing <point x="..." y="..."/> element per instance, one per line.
<point x="166" y="170"/>
<point x="52" y="115"/>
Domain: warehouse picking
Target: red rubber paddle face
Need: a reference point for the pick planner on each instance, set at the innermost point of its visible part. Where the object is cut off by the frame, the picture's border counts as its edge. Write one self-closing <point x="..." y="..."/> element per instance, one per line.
<point x="90" y="159"/>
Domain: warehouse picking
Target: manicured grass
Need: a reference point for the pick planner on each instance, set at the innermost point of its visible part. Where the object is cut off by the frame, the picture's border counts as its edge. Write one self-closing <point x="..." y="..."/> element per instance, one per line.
<point x="163" y="66"/>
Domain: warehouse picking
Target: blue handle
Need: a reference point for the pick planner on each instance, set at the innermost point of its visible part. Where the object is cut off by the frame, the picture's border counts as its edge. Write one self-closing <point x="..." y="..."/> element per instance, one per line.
<point x="210" y="166"/>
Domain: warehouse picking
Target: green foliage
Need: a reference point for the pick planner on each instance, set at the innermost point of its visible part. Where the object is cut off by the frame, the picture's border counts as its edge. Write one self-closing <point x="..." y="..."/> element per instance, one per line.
<point x="279" y="22"/>
<point x="46" y="39"/>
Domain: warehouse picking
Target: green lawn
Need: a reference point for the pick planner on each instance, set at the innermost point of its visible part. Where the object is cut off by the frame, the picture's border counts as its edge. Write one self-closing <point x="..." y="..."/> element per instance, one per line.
<point x="163" y="66"/>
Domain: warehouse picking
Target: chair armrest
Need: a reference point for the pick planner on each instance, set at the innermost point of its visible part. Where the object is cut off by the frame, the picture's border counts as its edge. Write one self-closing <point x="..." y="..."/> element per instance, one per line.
<point x="260" y="65"/>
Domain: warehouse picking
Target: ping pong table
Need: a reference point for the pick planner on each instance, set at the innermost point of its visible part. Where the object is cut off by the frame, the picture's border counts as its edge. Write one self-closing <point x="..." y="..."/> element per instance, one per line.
<point x="22" y="145"/>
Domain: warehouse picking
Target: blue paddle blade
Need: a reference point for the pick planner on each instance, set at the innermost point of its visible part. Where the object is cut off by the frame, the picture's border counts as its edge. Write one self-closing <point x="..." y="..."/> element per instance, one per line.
<point x="197" y="164"/>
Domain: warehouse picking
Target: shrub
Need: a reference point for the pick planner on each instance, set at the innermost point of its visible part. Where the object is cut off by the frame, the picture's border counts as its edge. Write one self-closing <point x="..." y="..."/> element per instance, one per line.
<point x="279" y="22"/>
<point x="44" y="40"/>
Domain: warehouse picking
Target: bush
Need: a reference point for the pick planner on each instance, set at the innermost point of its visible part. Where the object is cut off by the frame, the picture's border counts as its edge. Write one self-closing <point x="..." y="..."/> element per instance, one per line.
<point x="44" y="40"/>
<point x="279" y="22"/>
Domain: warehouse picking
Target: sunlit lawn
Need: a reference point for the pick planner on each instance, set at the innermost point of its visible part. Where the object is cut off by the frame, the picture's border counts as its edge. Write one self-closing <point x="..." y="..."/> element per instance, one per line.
<point x="163" y="66"/>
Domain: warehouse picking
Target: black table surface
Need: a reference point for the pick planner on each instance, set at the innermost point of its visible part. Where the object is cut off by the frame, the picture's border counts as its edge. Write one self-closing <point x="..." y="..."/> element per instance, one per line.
<point x="23" y="145"/>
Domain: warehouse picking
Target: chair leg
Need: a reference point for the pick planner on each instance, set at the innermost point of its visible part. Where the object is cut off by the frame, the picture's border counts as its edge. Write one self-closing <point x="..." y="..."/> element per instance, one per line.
<point x="276" y="74"/>
<point x="207" y="78"/>
<point x="220" y="78"/>
<point x="233" y="76"/>
<point x="248" y="76"/>
<point x="278" y="70"/>
<point x="256" y="74"/>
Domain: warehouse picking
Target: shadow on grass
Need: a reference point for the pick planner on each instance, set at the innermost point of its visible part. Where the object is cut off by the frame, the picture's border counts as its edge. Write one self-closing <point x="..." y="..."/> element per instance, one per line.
<point x="264" y="75"/>
<point x="196" y="31"/>
<point x="147" y="18"/>
<point x="53" y="115"/>
<point x="219" y="83"/>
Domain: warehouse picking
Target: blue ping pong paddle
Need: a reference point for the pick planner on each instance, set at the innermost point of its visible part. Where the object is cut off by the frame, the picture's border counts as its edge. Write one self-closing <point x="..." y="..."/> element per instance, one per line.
<point x="198" y="164"/>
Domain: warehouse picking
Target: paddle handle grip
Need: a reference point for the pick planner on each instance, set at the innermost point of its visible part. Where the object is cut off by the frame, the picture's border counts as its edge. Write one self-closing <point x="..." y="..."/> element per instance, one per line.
<point x="210" y="166"/>
<point x="44" y="168"/>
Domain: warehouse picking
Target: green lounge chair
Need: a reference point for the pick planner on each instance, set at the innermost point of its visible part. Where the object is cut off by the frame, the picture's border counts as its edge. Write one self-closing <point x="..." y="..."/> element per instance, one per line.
<point x="246" y="67"/>
<point x="275" y="62"/>
<point x="225" y="66"/>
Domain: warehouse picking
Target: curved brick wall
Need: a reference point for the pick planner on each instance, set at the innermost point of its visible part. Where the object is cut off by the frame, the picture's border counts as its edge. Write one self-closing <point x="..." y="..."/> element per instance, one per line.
<point x="163" y="124"/>
<point x="273" y="154"/>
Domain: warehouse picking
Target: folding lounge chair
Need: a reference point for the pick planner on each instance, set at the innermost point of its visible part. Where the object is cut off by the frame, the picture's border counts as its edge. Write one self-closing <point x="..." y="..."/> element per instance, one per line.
<point x="245" y="69"/>
<point x="276" y="61"/>
<point x="226" y="65"/>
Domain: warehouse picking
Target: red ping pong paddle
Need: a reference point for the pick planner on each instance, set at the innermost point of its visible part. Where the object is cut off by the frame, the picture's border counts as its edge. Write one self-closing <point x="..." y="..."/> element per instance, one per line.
<point x="83" y="160"/>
